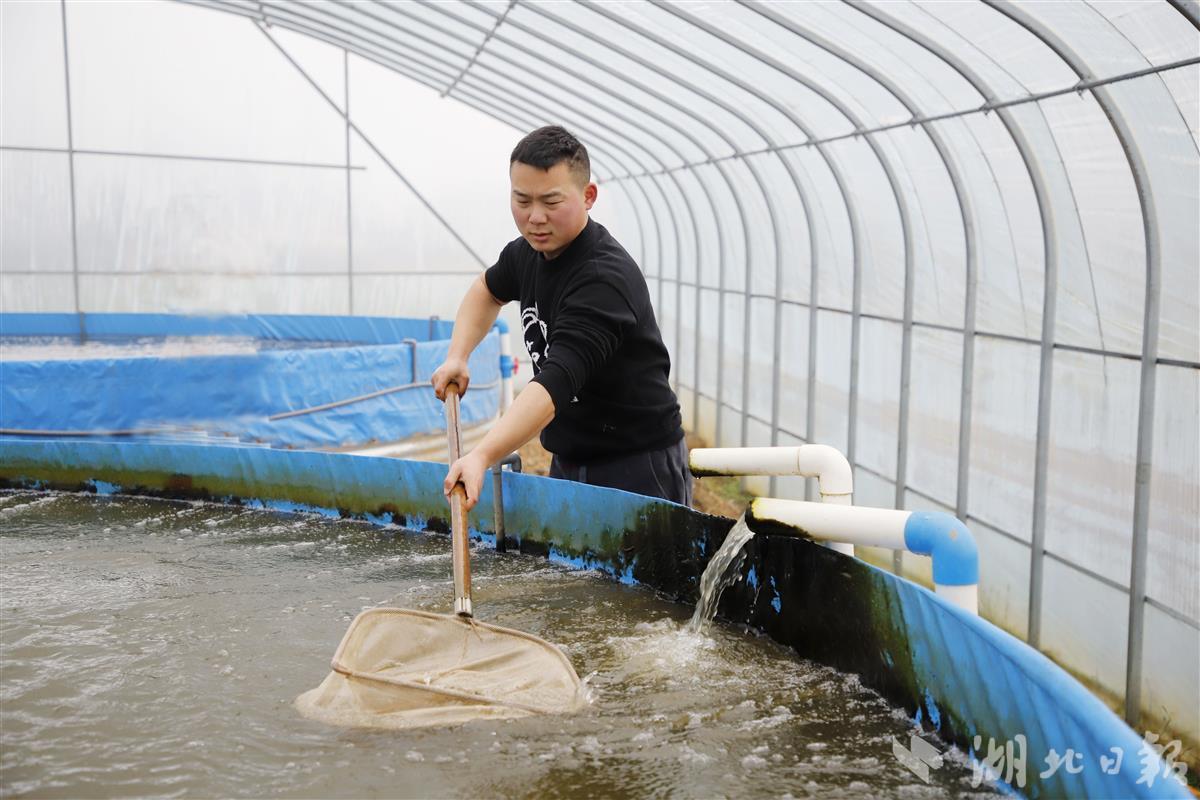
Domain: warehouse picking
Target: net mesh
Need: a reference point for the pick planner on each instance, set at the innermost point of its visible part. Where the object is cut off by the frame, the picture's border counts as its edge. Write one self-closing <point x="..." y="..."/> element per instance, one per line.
<point x="397" y="668"/>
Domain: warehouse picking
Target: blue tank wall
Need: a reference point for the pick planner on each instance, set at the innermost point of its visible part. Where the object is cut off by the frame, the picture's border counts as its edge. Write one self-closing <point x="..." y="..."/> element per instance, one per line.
<point x="236" y="395"/>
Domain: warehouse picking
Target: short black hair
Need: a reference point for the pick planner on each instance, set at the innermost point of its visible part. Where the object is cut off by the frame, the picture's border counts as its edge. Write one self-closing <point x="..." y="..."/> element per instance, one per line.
<point x="552" y="145"/>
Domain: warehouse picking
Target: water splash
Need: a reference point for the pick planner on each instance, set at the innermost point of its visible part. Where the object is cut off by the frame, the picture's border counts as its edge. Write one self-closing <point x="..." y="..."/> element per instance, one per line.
<point x="724" y="570"/>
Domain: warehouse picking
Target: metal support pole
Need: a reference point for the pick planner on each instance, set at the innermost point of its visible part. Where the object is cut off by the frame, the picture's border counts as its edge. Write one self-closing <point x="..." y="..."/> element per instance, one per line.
<point x="513" y="462"/>
<point x="62" y="5"/>
<point x="349" y="195"/>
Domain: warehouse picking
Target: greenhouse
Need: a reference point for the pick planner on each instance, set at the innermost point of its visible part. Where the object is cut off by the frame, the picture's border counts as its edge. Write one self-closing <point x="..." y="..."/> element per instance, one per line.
<point x="956" y="243"/>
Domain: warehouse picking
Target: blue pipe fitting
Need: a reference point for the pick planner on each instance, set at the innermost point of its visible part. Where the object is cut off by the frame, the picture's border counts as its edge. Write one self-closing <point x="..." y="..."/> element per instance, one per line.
<point x="501" y="326"/>
<point x="946" y="540"/>
<point x="506" y="366"/>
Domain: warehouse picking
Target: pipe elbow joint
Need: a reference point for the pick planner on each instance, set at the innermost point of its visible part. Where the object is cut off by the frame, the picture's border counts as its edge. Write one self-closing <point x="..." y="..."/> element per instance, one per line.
<point x="501" y="326"/>
<point x="829" y="465"/>
<point x="946" y="540"/>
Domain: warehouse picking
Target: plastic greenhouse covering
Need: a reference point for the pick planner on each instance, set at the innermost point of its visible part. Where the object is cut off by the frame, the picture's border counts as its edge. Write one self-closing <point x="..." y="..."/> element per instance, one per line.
<point x="957" y="241"/>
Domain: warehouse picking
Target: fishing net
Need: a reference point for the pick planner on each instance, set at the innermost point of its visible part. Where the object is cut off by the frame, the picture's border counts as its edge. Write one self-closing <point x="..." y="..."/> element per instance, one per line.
<point x="397" y="668"/>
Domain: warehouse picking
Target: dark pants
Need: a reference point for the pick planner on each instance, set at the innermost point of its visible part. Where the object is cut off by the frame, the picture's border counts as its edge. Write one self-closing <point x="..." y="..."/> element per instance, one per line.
<point x="657" y="473"/>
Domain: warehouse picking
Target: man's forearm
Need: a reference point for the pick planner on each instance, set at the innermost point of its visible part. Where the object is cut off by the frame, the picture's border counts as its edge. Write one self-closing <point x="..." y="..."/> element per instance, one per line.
<point x="476" y="315"/>
<point x="531" y="411"/>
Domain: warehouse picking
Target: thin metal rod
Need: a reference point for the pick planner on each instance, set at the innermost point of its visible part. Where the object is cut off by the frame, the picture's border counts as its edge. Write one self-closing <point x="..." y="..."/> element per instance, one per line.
<point x="670" y="206"/>
<point x="349" y="193"/>
<point x="475" y="56"/>
<point x="934" y="326"/>
<point x="379" y="153"/>
<point x="243" y="273"/>
<point x="987" y="108"/>
<point x="1190" y="10"/>
<point x="177" y="157"/>
<point x="62" y="5"/>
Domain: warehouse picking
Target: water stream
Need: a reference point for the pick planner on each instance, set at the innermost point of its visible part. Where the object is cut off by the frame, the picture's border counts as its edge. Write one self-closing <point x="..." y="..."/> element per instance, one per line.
<point x="723" y="570"/>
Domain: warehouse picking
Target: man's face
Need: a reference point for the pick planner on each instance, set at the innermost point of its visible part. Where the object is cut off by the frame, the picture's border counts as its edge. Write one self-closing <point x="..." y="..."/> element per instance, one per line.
<point x="550" y="206"/>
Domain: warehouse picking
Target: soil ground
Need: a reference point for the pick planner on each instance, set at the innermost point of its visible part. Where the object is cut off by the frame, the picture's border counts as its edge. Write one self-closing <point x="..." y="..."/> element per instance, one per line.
<point x="720" y="495"/>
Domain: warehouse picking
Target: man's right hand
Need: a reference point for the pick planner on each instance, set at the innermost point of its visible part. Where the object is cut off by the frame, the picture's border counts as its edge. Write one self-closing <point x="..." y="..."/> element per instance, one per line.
<point x="452" y="370"/>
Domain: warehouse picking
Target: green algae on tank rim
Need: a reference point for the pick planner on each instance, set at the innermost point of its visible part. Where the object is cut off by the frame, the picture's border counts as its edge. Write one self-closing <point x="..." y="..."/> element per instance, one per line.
<point x="633" y="538"/>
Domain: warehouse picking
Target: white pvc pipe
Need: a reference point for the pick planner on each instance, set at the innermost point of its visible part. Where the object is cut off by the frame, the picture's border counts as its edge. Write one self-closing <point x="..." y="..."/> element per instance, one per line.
<point x="835" y="479"/>
<point x="827" y="522"/>
<point x="872" y="527"/>
<point x="825" y="463"/>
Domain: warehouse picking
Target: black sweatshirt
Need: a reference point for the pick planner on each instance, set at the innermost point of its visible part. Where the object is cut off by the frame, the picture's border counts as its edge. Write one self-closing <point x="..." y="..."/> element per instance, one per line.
<point x="595" y="346"/>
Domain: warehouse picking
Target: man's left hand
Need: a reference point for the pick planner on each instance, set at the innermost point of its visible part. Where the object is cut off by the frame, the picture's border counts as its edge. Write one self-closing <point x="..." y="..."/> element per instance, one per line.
<point x="470" y="470"/>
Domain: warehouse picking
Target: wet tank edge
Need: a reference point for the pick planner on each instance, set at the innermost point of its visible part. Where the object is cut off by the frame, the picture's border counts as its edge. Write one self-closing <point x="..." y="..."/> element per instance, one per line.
<point x="870" y="623"/>
<point x="632" y="538"/>
<point x="952" y="672"/>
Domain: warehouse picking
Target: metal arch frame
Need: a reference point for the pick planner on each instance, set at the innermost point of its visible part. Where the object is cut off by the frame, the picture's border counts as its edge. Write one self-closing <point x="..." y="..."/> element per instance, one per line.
<point x="463" y="76"/>
<point x="402" y="69"/>
<point x="1029" y="157"/>
<point x="1047" y="344"/>
<point x="807" y="207"/>
<point x="349" y="193"/>
<point x="62" y="6"/>
<point x="699" y="91"/>
<point x="967" y="217"/>
<point x="650" y="91"/>
<point x="1150" y="327"/>
<point x="787" y="165"/>
<point x="478" y="50"/>
<point x="678" y="246"/>
<point x="852" y="214"/>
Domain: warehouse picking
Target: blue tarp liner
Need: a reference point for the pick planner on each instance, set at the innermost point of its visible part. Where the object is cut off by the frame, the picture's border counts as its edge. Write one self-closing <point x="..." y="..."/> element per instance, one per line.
<point x="236" y="395"/>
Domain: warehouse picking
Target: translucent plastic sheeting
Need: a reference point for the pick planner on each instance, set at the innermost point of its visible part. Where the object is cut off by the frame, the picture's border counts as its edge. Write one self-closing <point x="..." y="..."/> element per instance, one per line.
<point x="35" y="111"/>
<point x="1003" y="422"/>
<point x="239" y="218"/>
<point x="1174" y="554"/>
<point x="245" y="106"/>
<point x="878" y="417"/>
<point x="1089" y="507"/>
<point x="35" y="213"/>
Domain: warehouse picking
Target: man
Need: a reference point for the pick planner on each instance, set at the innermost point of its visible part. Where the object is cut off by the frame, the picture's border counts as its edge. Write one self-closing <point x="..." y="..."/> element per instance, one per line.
<point x="599" y="395"/>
